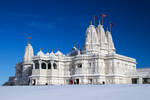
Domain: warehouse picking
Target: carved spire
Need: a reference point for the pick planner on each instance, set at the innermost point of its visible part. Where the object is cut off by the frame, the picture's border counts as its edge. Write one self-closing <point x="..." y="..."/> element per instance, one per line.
<point x="27" y="59"/>
<point x="101" y="36"/>
<point x="111" y="47"/>
<point x="91" y="41"/>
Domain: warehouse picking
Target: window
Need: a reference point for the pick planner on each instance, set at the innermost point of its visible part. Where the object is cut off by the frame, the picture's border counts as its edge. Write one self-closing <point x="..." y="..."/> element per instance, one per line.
<point x="49" y="65"/>
<point x="43" y="66"/>
<point x="79" y="65"/>
<point x="54" y="65"/>
<point x="90" y="65"/>
<point x="36" y="65"/>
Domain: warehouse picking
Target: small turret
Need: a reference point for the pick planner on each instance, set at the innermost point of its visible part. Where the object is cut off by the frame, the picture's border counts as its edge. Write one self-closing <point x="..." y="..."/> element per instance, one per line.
<point x="111" y="48"/>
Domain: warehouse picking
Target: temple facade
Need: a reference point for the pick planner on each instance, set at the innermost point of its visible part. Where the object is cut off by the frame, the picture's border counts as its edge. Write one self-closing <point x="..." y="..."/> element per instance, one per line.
<point x="97" y="63"/>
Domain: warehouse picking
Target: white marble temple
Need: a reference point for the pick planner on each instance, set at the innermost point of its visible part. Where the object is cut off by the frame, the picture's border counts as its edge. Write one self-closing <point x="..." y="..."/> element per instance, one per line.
<point x="97" y="63"/>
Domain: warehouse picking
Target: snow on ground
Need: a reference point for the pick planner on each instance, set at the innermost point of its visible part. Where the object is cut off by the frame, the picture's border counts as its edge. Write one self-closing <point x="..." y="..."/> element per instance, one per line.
<point x="76" y="92"/>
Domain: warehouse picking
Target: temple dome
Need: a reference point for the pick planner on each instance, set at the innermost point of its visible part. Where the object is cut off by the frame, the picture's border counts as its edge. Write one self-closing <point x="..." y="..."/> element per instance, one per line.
<point x="74" y="52"/>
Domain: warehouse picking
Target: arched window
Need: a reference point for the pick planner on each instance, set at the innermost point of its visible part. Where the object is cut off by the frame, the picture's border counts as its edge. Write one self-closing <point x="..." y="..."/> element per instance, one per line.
<point x="36" y="65"/>
<point x="43" y="66"/>
<point x="79" y="65"/>
<point x="49" y="65"/>
<point x="54" y="65"/>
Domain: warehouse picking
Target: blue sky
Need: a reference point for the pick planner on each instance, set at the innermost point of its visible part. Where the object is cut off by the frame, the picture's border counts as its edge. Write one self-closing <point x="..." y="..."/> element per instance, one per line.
<point x="62" y="23"/>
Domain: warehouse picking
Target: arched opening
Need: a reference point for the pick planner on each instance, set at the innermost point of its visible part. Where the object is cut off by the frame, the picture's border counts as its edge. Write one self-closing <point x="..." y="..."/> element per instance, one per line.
<point x="43" y="66"/>
<point x="49" y="65"/>
<point x="33" y="82"/>
<point x="90" y="81"/>
<point x="36" y="65"/>
<point x="103" y="82"/>
<point x="54" y="65"/>
<point x="76" y="81"/>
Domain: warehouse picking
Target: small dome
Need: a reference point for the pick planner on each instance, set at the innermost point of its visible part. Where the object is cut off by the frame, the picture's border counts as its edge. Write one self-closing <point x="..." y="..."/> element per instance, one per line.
<point x="52" y="54"/>
<point x="40" y="54"/>
<point x="74" y="52"/>
<point x="58" y="53"/>
<point x="47" y="54"/>
<point x="74" y="48"/>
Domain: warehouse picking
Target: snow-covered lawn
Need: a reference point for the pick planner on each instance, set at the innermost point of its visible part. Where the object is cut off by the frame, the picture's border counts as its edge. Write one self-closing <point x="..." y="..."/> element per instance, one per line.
<point x="80" y="92"/>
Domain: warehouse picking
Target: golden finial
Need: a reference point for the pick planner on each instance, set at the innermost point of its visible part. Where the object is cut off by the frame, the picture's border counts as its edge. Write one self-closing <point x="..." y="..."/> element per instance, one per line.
<point x="91" y="22"/>
<point x="28" y="42"/>
<point x="99" y="21"/>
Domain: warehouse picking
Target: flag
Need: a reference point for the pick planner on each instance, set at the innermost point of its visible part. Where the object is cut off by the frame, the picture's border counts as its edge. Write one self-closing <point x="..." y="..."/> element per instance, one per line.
<point x="111" y="24"/>
<point x="104" y="15"/>
<point x="29" y="37"/>
<point x="95" y="17"/>
<point x="41" y="49"/>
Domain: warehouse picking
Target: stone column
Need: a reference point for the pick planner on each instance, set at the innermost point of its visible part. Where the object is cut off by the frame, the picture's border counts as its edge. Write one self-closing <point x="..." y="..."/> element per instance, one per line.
<point x="140" y="80"/>
<point x="52" y="68"/>
<point x="39" y="64"/>
<point x="33" y="65"/>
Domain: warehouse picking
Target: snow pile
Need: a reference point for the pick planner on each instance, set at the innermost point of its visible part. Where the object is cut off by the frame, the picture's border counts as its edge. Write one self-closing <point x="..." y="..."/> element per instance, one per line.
<point x="74" y="92"/>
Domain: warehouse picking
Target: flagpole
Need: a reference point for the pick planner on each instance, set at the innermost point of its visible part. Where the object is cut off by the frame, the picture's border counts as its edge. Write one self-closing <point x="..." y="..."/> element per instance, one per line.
<point x="110" y="27"/>
<point x="94" y="20"/>
<point x="102" y="19"/>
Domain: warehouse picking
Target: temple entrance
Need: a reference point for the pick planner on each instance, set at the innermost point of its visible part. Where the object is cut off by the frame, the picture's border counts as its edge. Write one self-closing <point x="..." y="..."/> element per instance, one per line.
<point x="146" y="80"/>
<point x="134" y="80"/>
<point x="76" y="81"/>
